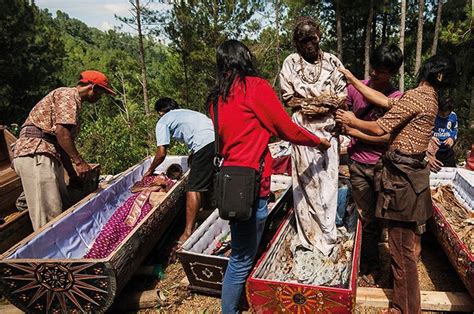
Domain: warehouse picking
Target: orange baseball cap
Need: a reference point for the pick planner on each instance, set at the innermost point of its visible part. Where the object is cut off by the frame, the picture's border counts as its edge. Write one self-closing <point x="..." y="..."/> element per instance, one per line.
<point x="97" y="78"/>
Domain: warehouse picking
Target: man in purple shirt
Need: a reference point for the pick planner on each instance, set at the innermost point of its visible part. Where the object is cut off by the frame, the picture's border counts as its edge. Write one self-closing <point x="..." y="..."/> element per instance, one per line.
<point x="364" y="151"/>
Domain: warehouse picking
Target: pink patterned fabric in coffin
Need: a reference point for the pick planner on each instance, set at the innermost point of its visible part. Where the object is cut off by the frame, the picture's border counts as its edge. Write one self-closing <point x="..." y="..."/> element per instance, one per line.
<point x="125" y="219"/>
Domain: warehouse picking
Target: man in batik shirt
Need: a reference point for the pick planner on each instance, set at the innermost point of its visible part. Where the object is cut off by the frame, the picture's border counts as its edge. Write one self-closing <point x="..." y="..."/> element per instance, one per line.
<point x="46" y="146"/>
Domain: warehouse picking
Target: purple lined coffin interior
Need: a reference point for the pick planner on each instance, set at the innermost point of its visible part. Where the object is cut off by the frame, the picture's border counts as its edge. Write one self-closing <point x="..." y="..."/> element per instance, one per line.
<point x="72" y="236"/>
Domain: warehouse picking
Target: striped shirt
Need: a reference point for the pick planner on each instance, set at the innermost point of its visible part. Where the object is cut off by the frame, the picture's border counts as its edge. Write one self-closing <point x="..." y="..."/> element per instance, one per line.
<point x="411" y="120"/>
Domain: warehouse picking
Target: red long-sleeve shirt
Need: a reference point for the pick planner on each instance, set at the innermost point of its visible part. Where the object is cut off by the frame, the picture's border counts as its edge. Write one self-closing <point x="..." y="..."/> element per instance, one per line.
<point x="250" y="116"/>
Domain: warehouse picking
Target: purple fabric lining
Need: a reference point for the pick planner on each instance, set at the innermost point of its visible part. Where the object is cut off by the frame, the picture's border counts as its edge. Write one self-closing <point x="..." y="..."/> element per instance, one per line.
<point x="116" y="229"/>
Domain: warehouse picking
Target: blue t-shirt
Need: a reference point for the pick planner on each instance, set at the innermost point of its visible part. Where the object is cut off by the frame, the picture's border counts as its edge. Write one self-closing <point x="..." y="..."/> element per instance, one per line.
<point x="188" y="126"/>
<point x="445" y="128"/>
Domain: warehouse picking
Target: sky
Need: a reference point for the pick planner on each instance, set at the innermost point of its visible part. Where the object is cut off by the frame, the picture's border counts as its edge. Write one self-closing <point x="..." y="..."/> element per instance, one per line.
<point x="95" y="13"/>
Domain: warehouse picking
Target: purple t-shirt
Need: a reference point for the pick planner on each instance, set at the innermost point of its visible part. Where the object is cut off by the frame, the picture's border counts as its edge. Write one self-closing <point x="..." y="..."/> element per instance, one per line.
<point x="358" y="150"/>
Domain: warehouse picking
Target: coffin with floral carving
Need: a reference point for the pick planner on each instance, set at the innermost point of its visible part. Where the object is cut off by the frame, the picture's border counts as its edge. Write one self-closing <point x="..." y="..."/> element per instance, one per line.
<point x="275" y="296"/>
<point x="47" y="272"/>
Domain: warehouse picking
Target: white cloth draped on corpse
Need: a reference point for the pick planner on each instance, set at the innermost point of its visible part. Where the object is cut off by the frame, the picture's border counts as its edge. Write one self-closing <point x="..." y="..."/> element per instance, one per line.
<point x="315" y="173"/>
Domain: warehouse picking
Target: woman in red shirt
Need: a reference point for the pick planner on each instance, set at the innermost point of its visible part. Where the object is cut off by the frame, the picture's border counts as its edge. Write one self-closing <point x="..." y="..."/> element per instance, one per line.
<point x="249" y="114"/>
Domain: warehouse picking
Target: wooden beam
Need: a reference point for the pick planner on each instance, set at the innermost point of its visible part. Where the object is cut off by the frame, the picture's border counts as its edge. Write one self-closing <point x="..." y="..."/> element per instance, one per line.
<point x="9" y="309"/>
<point x="430" y="300"/>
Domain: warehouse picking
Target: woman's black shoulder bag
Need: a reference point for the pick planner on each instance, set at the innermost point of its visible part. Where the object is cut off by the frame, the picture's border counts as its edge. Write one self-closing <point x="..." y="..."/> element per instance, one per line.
<point x="235" y="188"/>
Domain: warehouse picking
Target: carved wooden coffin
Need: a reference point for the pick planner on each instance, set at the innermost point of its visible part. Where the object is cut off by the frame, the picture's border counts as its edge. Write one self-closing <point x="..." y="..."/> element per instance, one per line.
<point x="204" y="268"/>
<point x="460" y="256"/>
<point x="273" y="296"/>
<point x="46" y="272"/>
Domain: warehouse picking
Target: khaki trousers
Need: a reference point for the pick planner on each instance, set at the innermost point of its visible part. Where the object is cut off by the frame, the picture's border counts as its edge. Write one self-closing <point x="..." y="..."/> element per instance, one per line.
<point x="42" y="178"/>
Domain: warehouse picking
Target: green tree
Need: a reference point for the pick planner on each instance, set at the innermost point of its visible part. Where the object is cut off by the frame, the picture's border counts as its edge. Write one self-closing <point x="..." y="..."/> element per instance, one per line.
<point x="30" y="59"/>
<point x="195" y="28"/>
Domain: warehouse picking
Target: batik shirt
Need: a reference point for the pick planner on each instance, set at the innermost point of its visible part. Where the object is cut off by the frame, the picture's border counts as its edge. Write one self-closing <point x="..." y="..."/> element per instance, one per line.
<point x="411" y="120"/>
<point x="61" y="106"/>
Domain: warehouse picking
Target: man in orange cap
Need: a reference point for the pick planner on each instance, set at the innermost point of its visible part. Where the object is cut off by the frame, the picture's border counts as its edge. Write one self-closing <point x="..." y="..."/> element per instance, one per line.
<point x="46" y="146"/>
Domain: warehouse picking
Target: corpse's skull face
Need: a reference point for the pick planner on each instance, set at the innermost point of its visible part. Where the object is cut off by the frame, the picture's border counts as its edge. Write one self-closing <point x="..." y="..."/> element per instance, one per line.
<point x="307" y="42"/>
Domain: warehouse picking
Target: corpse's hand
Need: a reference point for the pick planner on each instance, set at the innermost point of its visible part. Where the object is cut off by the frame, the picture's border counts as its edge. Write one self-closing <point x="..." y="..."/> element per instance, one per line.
<point x="449" y="142"/>
<point x="348" y="74"/>
<point x="295" y="102"/>
<point x="345" y="117"/>
<point x="324" y="144"/>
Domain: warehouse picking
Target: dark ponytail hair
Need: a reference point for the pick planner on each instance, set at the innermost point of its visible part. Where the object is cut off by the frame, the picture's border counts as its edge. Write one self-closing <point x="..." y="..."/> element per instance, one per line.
<point x="438" y="71"/>
<point x="234" y="61"/>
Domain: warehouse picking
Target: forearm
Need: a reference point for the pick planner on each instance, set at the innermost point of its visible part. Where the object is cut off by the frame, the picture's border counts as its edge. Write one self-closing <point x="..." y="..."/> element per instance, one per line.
<point x="371" y="139"/>
<point x="64" y="137"/>
<point x="67" y="164"/>
<point x="373" y="96"/>
<point x="160" y="156"/>
<point x="368" y="127"/>
<point x="298" y="136"/>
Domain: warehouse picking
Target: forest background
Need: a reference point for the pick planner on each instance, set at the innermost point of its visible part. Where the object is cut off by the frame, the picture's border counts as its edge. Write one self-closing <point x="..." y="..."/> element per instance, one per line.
<point x="172" y="54"/>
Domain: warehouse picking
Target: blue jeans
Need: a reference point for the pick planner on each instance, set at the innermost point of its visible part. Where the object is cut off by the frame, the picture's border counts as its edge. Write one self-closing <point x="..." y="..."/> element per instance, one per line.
<point x="245" y="239"/>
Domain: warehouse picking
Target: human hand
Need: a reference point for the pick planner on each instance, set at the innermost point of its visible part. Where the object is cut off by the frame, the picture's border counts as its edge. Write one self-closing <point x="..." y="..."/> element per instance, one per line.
<point x="82" y="168"/>
<point x="348" y="130"/>
<point x="149" y="172"/>
<point x="435" y="140"/>
<point x="449" y="142"/>
<point x="324" y="144"/>
<point x="435" y="164"/>
<point x="348" y="74"/>
<point x="345" y="117"/>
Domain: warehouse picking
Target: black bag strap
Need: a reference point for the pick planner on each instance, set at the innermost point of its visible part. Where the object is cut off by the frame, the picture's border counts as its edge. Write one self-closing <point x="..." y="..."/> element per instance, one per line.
<point x="217" y="157"/>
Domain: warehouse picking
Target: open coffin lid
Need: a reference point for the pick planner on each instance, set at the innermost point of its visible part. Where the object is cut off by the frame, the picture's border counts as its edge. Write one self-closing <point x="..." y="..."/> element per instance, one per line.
<point x="47" y="271"/>
<point x="462" y="259"/>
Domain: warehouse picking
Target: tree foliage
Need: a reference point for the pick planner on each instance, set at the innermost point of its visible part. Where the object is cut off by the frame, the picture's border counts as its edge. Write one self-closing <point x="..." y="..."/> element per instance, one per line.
<point x="40" y="53"/>
<point x="30" y="59"/>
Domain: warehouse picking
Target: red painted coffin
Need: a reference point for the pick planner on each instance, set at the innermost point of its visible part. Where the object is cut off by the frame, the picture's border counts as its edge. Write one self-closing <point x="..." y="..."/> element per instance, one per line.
<point x="458" y="253"/>
<point x="267" y="296"/>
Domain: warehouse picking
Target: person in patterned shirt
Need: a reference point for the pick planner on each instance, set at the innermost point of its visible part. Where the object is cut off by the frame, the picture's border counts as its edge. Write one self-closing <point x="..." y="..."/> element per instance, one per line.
<point x="404" y="199"/>
<point x="46" y="146"/>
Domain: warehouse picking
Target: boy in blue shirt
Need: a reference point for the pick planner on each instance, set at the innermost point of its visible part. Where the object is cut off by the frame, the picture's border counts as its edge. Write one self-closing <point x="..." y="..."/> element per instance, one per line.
<point x="445" y="132"/>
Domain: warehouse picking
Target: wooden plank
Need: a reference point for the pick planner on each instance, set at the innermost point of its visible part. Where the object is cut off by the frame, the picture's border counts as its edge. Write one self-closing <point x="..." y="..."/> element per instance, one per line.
<point x="9" y="309"/>
<point x="430" y="300"/>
